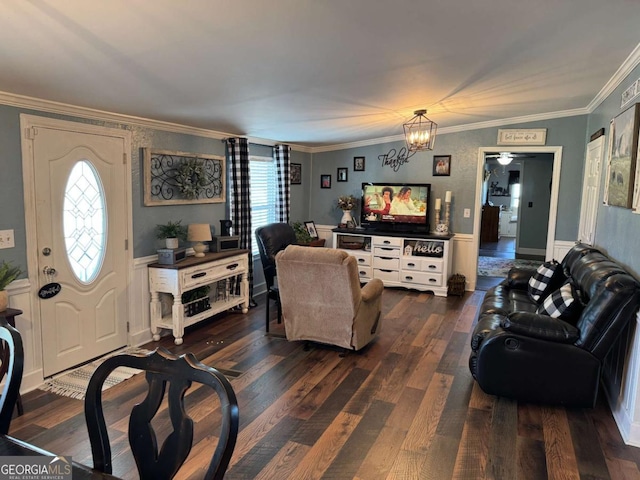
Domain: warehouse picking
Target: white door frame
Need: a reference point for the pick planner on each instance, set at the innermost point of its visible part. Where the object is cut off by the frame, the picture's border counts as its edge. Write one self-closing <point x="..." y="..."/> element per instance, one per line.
<point x="28" y="178"/>
<point x="553" y="207"/>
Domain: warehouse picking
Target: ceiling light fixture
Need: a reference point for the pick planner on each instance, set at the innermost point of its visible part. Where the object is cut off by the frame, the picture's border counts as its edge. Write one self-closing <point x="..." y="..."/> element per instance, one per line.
<point x="505" y="158"/>
<point x="420" y="132"/>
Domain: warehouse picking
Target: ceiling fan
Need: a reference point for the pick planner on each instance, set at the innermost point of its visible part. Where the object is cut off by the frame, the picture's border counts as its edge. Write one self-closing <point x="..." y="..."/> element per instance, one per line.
<point x="505" y="158"/>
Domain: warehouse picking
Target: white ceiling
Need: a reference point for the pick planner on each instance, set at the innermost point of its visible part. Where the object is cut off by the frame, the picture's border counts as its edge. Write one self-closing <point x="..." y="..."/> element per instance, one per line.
<point x="316" y="72"/>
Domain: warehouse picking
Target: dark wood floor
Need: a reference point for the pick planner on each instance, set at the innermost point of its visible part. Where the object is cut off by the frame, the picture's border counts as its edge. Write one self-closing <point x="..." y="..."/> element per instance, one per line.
<point x="404" y="408"/>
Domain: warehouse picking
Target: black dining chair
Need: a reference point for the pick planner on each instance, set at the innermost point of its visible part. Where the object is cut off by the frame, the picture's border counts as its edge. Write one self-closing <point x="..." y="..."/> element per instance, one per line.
<point x="271" y="239"/>
<point x="10" y="371"/>
<point x="179" y="372"/>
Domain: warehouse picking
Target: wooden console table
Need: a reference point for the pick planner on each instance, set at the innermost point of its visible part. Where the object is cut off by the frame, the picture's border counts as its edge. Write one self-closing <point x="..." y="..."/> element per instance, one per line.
<point x="226" y="274"/>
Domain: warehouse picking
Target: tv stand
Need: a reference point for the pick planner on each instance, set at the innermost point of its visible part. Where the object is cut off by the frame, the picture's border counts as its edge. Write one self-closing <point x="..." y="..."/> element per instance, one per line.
<point x="416" y="260"/>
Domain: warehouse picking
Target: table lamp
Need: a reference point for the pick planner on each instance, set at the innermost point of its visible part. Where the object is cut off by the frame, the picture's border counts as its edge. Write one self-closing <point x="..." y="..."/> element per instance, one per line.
<point x="199" y="232"/>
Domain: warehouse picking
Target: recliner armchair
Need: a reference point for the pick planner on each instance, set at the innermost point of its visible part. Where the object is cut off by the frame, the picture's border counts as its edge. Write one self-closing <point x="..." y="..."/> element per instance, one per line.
<point x="271" y="239"/>
<point x="322" y="300"/>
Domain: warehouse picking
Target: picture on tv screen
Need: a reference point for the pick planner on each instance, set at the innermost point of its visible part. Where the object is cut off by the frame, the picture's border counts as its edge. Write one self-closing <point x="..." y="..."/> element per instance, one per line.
<point x="391" y="203"/>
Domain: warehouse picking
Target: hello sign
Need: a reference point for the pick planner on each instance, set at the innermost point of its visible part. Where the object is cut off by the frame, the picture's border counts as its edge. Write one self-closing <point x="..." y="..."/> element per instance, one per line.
<point x="50" y="290"/>
<point x="429" y="248"/>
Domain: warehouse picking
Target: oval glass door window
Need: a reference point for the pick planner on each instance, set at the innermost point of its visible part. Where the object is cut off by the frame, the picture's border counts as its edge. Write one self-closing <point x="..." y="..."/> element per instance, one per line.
<point x="84" y="218"/>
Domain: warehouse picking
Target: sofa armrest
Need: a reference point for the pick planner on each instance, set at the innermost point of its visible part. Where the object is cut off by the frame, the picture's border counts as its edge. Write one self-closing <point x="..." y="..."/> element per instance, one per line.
<point x="540" y="326"/>
<point x="518" y="278"/>
<point x="372" y="289"/>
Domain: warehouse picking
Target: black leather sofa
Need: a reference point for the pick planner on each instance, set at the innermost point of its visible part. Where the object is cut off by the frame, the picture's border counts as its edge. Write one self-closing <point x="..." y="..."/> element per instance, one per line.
<point x="520" y="354"/>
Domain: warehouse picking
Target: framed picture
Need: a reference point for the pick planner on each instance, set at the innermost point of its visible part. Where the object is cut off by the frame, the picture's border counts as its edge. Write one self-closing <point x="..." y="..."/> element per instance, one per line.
<point x="295" y="174"/>
<point x="325" y="181"/>
<point x="358" y="164"/>
<point x="343" y="174"/>
<point x="181" y="178"/>
<point x="623" y="153"/>
<point x="311" y="228"/>
<point x="441" y="165"/>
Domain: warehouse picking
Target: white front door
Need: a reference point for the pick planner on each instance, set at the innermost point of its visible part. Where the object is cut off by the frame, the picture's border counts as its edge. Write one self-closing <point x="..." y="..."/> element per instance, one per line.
<point x="590" y="191"/>
<point x="81" y="213"/>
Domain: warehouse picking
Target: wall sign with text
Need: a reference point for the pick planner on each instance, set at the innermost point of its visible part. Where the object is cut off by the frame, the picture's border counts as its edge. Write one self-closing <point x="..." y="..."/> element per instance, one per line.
<point x="428" y="248"/>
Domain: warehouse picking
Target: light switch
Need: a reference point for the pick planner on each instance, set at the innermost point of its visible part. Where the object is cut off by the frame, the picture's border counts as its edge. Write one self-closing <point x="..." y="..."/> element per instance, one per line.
<point x="6" y="239"/>
<point x="466" y="213"/>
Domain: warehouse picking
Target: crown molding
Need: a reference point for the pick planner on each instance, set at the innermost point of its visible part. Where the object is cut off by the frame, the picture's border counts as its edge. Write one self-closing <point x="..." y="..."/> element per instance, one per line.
<point x="459" y="128"/>
<point x="23" y="101"/>
<point x="625" y="69"/>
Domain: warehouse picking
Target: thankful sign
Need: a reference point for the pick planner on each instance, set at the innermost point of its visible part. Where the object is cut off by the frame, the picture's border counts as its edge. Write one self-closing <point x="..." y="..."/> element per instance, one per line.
<point x="429" y="248"/>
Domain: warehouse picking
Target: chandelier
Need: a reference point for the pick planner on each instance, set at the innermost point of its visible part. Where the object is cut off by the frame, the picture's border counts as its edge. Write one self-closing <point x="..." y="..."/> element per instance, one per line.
<point x="420" y="132"/>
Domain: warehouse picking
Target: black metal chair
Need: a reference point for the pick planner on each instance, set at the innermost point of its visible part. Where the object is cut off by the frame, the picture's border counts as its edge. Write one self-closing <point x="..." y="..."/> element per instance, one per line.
<point x="12" y="366"/>
<point x="271" y="239"/>
<point x="162" y="366"/>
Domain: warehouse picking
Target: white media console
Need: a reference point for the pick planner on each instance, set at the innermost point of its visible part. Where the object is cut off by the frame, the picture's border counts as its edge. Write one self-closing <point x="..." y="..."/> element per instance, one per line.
<point x="400" y="259"/>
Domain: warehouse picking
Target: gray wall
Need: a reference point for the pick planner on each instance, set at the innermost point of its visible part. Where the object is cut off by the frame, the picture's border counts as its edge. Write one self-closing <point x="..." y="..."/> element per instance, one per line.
<point x="534" y="220"/>
<point x="617" y="228"/>
<point x="463" y="147"/>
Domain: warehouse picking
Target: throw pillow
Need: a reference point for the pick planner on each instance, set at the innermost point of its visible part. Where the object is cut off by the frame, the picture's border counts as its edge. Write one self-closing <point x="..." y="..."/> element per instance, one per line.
<point x="548" y="277"/>
<point x="564" y="303"/>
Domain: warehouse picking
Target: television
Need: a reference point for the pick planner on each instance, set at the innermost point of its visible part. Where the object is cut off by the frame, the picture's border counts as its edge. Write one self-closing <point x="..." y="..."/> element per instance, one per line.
<point x="395" y="206"/>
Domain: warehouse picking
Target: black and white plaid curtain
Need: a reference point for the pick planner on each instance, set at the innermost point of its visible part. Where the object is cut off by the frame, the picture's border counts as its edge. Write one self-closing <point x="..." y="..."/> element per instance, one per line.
<point x="240" y="208"/>
<point x="281" y="157"/>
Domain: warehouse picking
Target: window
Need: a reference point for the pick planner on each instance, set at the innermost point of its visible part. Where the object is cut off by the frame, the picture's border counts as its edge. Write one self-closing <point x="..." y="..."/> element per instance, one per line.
<point x="262" y="195"/>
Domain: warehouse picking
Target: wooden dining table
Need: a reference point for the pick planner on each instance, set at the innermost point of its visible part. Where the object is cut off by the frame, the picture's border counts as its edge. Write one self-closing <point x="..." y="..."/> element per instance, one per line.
<point x="13" y="447"/>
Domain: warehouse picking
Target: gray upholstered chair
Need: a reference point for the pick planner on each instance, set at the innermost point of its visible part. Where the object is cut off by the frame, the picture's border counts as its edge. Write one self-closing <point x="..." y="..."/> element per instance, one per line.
<point x="322" y="300"/>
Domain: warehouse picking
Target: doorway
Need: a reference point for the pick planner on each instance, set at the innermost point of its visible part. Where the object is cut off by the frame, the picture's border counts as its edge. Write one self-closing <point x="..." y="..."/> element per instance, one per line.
<point x="497" y="210"/>
<point x="77" y="182"/>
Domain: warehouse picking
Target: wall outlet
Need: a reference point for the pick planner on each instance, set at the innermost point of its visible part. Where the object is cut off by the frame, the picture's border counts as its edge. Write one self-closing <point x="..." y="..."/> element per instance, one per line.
<point x="6" y="239"/>
<point x="467" y="213"/>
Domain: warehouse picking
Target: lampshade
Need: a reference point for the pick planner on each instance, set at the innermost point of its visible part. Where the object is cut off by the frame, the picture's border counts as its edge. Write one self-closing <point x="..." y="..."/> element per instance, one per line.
<point x="420" y="132"/>
<point x="505" y="158"/>
<point x="199" y="232"/>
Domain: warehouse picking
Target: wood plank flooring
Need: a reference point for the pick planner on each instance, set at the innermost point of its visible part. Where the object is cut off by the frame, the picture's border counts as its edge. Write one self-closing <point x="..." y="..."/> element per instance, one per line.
<point x="406" y="407"/>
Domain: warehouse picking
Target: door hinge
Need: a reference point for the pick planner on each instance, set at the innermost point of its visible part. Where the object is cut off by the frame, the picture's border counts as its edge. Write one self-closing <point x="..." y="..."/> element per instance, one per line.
<point x="124" y="158"/>
<point x="126" y="244"/>
<point x="127" y="327"/>
<point x="30" y="133"/>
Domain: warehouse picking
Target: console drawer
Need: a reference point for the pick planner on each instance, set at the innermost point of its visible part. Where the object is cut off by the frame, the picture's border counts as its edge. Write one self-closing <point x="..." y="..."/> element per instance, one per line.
<point x="387" y="242"/>
<point x="422" y="278"/>
<point x="386" y="275"/>
<point x="386" y="252"/>
<point x="361" y="259"/>
<point x="365" y="272"/>
<point x="205" y="274"/>
<point x="434" y="265"/>
<point x="386" y="263"/>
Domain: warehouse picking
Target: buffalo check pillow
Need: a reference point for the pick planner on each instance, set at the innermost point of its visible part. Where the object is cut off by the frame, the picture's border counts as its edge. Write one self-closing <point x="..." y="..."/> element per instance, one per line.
<point x="548" y="277"/>
<point x="564" y="303"/>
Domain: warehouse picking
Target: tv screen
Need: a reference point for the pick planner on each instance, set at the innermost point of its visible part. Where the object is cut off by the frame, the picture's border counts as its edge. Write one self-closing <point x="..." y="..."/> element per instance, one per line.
<point x="395" y="204"/>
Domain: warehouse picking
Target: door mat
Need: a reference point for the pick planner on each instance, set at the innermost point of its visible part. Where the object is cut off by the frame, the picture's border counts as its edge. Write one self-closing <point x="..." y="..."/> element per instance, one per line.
<point x="74" y="383"/>
<point x="499" y="267"/>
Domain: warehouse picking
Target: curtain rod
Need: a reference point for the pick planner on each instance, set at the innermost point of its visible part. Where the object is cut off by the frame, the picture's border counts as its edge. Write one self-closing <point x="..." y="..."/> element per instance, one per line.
<point x="224" y="140"/>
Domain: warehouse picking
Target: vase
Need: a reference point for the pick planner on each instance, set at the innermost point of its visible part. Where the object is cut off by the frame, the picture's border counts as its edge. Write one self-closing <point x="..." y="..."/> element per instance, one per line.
<point x="4" y="300"/>
<point x="171" y="242"/>
<point x="346" y="217"/>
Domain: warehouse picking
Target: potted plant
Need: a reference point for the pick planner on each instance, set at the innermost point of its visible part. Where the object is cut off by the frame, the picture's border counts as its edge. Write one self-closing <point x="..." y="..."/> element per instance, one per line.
<point x="7" y="275"/>
<point x="172" y="232"/>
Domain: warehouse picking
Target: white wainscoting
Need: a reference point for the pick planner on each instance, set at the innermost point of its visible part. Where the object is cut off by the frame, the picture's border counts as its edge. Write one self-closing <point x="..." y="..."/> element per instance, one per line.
<point x="20" y="297"/>
<point x="621" y="380"/>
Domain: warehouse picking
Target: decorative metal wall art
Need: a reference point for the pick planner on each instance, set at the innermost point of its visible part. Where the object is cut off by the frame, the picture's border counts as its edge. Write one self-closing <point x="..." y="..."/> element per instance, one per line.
<point x="179" y="178"/>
